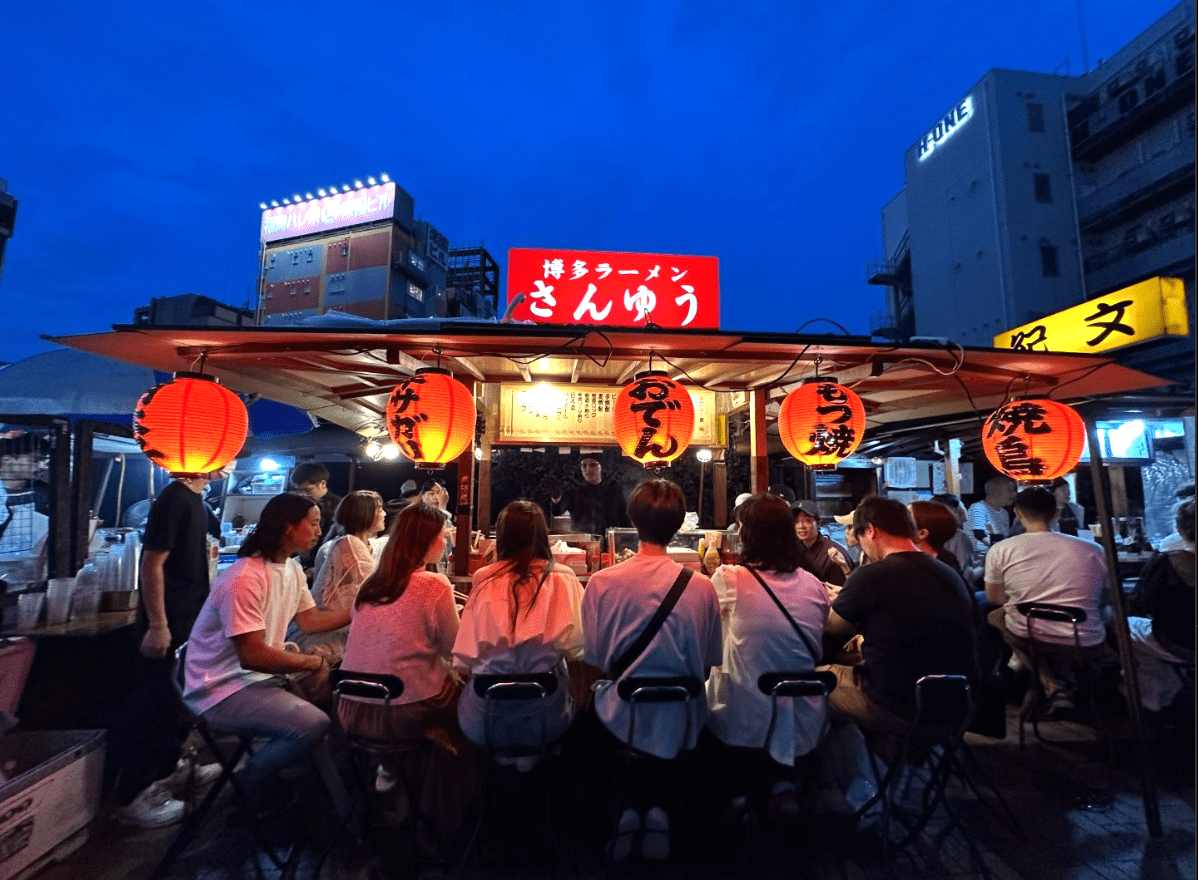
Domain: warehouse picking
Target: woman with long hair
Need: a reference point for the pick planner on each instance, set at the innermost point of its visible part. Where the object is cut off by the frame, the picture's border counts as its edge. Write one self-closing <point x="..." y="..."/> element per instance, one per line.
<point x="523" y="616"/>
<point x="773" y="615"/>
<point x="344" y="563"/>
<point x="404" y="623"/>
<point x="236" y="662"/>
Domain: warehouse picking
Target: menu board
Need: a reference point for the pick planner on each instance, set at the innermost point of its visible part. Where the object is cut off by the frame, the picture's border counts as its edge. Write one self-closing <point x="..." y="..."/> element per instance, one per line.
<point x="581" y="415"/>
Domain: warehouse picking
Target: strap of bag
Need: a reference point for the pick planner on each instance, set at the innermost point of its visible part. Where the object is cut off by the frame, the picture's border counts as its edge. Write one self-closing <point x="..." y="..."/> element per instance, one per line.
<point x="642" y="641"/>
<point x="814" y="649"/>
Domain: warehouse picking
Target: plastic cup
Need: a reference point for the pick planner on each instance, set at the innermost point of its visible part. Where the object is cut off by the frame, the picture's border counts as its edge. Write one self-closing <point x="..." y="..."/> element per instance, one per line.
<point x="29" y="609"/>
<point x="58" y="600"/>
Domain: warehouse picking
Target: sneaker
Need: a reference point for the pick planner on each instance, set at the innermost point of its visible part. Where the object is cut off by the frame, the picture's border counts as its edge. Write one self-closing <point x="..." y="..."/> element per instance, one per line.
<point x="626" y="829"/>
<point x="1015" y="664"/>
<point x="384" y="780"/>
<point x="1058" y="703"/>
<point x="153" y="808"/>
<point x="187" y="772"/>
<point x="655" y="844"/>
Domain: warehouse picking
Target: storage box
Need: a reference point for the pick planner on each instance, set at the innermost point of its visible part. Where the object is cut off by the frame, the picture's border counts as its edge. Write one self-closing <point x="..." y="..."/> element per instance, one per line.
<point x="49" y="794"/>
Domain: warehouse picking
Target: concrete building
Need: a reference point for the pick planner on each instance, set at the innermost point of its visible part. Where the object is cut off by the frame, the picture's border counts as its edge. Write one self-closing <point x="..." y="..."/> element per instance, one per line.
<point x="1035" y="192"/>
<point x="361" y="251"/>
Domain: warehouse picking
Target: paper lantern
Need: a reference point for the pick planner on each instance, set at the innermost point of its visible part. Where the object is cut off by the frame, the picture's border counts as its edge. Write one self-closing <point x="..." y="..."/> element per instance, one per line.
<point x="430" y="417"/>
<point x="654" y="419"/>
<point x="190" y="425"/>
<point x="821" y="423"/>
<point x="1034" y="439"/>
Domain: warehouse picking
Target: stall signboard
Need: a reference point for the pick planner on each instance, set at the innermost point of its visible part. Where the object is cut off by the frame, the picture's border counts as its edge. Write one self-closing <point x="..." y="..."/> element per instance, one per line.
<point x="613" y="289"/>
<point x="1144" y="311"/>
<point x="331" y="212"/>
<point x="573" y="415"/>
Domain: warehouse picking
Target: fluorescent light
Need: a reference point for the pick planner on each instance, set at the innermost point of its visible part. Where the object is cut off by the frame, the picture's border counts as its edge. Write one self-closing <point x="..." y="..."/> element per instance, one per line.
<point x="269" y="464"/>
<point x="703" y="454"/>
<point x="390" y="452"/>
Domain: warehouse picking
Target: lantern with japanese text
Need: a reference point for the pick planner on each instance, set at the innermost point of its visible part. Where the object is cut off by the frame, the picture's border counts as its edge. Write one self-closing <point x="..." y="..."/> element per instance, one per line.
<point x="1034" y="439"/>
<point x="190" y="425"/>
<point x="654" y="419"/>
<point x="430" y="417"/>
<point x="821" y="423"/>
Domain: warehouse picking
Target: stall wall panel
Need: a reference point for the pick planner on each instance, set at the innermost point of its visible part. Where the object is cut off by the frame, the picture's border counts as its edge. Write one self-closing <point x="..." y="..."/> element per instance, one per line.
<point x="294" y="263"/>
<point x="290" y="296"/>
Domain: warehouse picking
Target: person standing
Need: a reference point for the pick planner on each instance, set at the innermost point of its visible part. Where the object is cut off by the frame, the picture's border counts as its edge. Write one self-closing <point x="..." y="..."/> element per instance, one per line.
<point x="594" y="506"/>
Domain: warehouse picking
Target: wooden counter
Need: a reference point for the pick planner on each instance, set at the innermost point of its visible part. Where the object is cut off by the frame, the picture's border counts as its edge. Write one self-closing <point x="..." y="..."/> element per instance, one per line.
<point x="103" y="622"/>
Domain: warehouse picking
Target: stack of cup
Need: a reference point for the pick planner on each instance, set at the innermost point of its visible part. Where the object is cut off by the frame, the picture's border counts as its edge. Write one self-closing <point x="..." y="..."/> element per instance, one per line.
<point x="58" y="600"/>
<point x="29" y="610"/>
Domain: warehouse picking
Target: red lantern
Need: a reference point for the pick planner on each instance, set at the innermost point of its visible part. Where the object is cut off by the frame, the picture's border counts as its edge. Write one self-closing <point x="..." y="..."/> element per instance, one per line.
<point x="654" y="419"/>
<point x="190" y="425"/>
<point x="431" y="417"/>
<point x="1034" y="439"/>
<point x="821" y="423"/>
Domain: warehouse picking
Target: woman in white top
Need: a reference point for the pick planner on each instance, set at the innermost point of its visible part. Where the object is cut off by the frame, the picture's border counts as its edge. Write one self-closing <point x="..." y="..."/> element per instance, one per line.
<point x="347" y="562"/>
<point x="759" y="637"/>
<point x="405" y="622"/>
<point x="235" y="655"/>
<point x="523" y="616"/>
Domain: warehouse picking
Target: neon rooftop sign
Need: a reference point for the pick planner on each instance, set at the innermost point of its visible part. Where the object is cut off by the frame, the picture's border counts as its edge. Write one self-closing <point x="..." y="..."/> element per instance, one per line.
<point x="946" y="127"/>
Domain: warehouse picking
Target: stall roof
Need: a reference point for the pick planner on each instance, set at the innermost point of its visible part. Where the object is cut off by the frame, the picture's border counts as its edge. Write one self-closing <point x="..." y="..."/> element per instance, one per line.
<point x="344" y="374"/>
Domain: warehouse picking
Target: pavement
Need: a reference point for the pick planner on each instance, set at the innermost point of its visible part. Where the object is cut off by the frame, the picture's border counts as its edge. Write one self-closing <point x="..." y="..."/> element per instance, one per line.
<point x="1078" y="802"/>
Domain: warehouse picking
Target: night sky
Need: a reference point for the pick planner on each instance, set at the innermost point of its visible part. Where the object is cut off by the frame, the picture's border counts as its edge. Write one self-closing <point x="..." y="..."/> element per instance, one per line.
<point x="139" y="138"/>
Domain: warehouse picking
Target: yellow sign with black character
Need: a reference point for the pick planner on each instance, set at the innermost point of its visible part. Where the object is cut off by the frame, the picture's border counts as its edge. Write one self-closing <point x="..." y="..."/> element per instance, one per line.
<point x="1144" y="311"/>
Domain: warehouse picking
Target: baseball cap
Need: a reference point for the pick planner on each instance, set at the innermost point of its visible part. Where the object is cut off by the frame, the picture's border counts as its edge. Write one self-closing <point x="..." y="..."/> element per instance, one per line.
<point x="408" y="488"/>
<point x="845" y="519"/>
<point x="807" y="507"/>
<point x="782" y="491"/>
<point x="742" y="498"/>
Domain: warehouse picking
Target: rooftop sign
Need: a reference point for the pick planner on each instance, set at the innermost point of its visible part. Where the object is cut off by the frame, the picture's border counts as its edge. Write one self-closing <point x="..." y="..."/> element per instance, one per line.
<point x="614" y="289"/>
<point x="331" y="212"/>
<point x="952" y="121"/>
<point x="1148" y="310"/>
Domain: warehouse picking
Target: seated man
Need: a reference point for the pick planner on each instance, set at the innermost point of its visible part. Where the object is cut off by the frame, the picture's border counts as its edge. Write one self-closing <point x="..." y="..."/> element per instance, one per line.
<point x="820" y="555"/>
<point x="913" y="613"/>
<point x="1041" y="565"/>
<point x="988" y="519"/>
<point x="617" y="605"/>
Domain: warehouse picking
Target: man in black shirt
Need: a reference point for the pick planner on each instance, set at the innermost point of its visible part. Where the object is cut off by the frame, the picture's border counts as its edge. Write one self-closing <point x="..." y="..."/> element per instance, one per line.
<point x="311" y="478"/>
<point x="913" y="613"/>
<point x="821" y="556"/>
<point x="595" y="506"/>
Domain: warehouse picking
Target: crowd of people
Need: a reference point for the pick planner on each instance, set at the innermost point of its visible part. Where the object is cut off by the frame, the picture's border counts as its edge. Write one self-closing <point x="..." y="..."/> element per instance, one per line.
<point x="898" y="608"/>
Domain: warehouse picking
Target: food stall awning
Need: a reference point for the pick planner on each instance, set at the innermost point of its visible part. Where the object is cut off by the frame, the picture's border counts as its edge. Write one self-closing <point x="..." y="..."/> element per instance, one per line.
<point x="344" y="374"/>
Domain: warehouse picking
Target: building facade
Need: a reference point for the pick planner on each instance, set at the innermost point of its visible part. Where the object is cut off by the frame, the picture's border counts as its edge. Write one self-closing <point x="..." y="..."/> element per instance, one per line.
<point x="1036" y="192"/>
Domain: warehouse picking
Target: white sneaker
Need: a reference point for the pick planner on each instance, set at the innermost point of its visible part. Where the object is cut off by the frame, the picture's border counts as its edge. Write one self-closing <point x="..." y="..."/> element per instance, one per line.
<point x="384" y="780"/>
<point x="655" y="844"/>
<point x="626" y="829"/>
<point x="153" y="808"/>
<point x="204" y="774"/>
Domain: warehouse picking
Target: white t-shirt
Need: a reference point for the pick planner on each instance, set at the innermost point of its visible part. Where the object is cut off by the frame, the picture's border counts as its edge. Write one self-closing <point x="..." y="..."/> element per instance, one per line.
<point x="251" y="595"/>
<point x="758" y="639"/>
<point x="1055" y="568"/>
<point x="616" y="606"/>
<point x="989" y="520"/>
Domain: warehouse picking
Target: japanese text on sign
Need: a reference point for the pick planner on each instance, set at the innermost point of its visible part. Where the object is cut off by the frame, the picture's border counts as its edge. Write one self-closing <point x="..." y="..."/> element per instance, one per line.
<point x="1014" y="424"/>
<point x="1150" y="309"/>
<point x="831" y="436"/>
<point x="614" y="289"/>
<point x="577" y="414"/>
<point x="406" y="415"/>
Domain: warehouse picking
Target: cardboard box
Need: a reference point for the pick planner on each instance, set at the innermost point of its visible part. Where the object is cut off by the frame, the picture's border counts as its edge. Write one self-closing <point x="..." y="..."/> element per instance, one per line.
<point x="50" y="793"/>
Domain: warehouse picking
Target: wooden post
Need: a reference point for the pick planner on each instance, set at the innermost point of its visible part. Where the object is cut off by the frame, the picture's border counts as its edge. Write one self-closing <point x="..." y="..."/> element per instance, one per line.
<point x="759" y="465"/>
<point x="465" y="518"/>
<point x="490" y="401"/>
<point x="952" y="466"/>
<point x="719" y="489"/>
<point x="1152" y="809"/>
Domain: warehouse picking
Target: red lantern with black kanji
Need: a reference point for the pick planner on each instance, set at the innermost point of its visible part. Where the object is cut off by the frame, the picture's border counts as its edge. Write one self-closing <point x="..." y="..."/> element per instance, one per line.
<point x="191" y="425"/>
<point x="1034" y="440"/>
<point x="821" y="423"/>
<point x="654" y="419"/>
<point x="430" y="417"/>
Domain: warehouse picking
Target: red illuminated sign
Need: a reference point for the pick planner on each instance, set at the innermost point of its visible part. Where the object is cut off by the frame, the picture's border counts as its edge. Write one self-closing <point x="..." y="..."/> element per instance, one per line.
<point x="331" y="212"/>
<point x="614" y="289"/>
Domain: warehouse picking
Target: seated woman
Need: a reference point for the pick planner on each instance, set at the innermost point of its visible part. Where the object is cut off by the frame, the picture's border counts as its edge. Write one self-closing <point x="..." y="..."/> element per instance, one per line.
<point x="404" y="623"/>
<point x="523" y="616"/>
<point x="773" y="615"/>
<point x="935" y="526"/>
<point x="347" y="562"/>
<point x="236" y="662"/>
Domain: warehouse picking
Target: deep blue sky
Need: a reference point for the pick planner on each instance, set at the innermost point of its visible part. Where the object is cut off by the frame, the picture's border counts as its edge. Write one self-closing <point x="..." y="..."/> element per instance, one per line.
<point x="140" y="138"/>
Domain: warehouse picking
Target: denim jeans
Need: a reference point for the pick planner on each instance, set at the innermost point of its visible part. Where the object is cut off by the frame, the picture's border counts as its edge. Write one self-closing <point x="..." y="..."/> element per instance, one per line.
<point x="291" y="727"/>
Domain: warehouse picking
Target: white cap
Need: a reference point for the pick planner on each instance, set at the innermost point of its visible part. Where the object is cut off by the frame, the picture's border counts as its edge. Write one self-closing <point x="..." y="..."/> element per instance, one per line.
<point x="742" y="498"/>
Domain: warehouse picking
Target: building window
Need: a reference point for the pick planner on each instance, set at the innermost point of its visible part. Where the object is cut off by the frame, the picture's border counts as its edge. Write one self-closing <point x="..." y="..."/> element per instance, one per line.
<point x="1035" y="117"/>
<point x="415" y="292"/>
<point x="1049" y="264"/>
<point x="1043" y="188"/>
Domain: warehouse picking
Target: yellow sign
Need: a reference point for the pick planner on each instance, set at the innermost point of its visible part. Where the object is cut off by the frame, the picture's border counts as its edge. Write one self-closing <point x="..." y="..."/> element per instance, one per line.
<point x="581" y="415"/>
<point x="1148" y="310"/>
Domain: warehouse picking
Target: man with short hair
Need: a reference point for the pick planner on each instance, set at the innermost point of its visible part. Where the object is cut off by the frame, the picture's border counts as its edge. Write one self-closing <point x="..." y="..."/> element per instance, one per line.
<point x="617" y="606"/>
<point x="311" y="478"/>
<point x="988" y="519"/>
<point x="594" y="506"/>
<point x="913" y="613"/>
<point x="1045" y="566"/>
<point x="821" y="556"/>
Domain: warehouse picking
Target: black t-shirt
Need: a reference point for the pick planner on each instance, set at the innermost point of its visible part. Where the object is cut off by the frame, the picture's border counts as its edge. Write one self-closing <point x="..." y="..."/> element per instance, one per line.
<point x="914" y="612"/>
<point x="595" y="508"/>
<point x="178" y="524"/>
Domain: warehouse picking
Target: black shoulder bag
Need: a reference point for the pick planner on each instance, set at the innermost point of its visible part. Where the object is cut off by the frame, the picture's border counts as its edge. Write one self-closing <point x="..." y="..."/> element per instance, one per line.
<point x="814" y="649"/>
<point x="642" y="641"/>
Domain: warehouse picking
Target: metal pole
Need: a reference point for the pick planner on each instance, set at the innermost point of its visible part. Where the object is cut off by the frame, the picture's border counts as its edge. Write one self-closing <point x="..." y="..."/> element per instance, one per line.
<point x="702" y="468"/>
<point x="1152" y="808"/>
